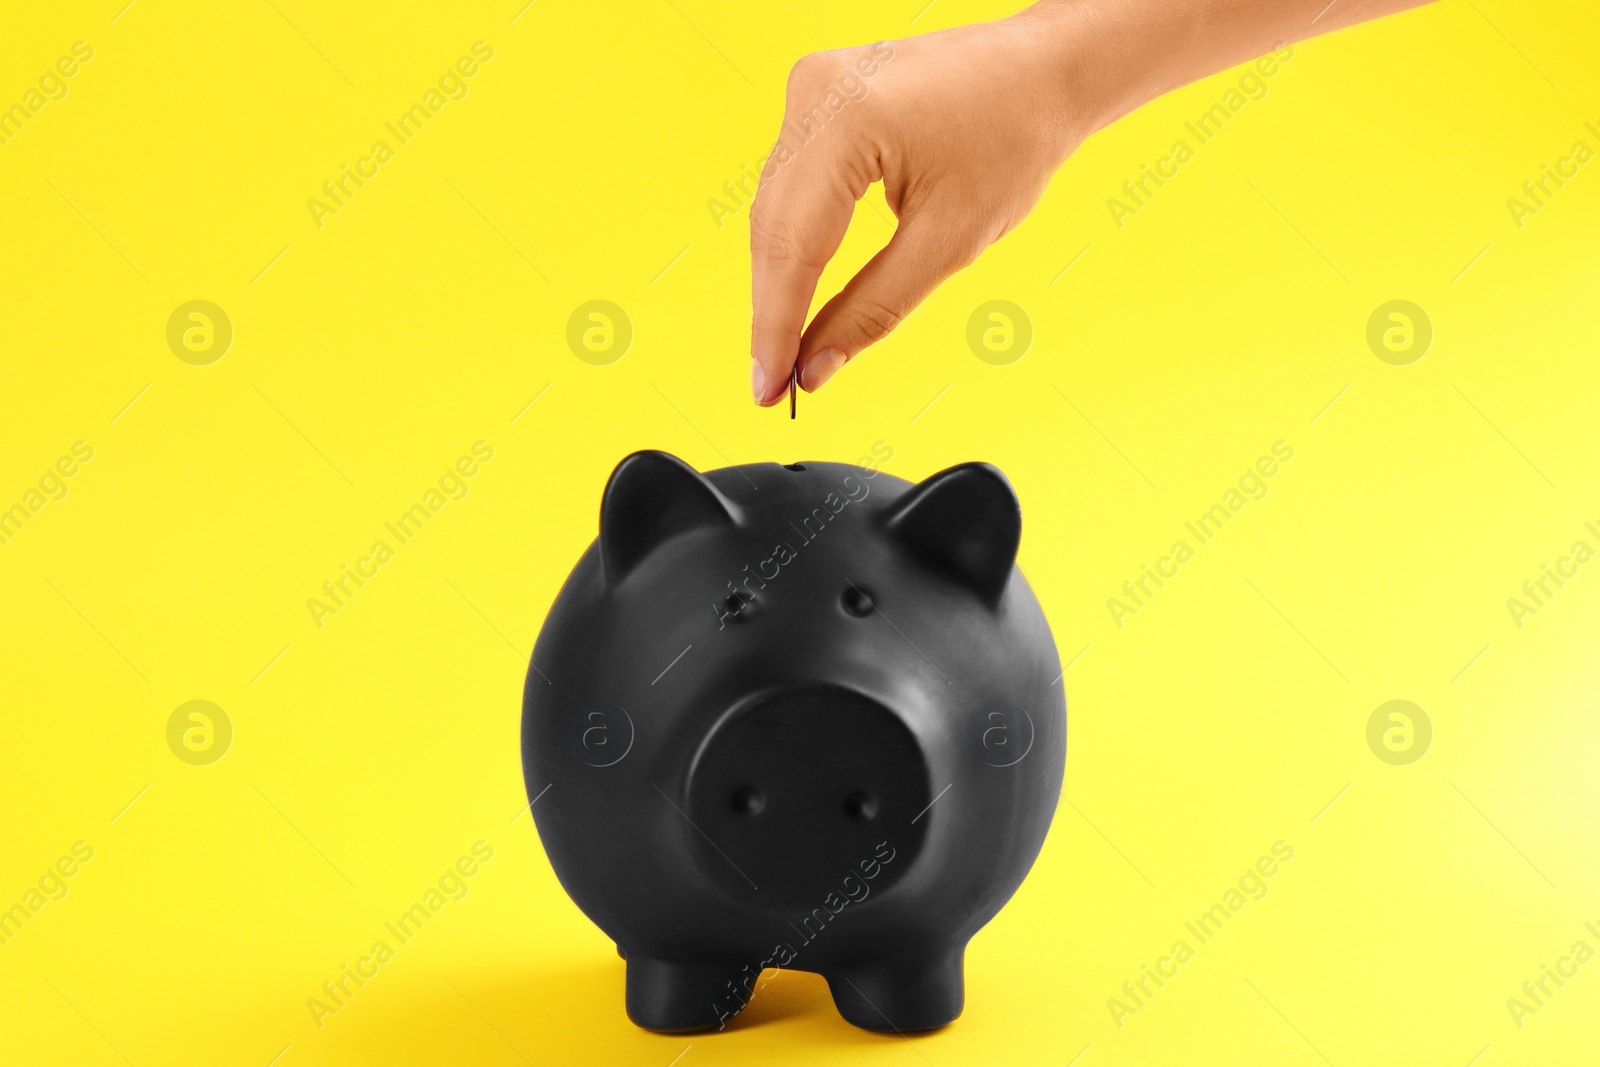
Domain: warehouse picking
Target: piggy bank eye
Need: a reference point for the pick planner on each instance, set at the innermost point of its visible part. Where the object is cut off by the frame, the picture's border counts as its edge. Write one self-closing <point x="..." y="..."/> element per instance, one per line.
<point x="857" y="601"/>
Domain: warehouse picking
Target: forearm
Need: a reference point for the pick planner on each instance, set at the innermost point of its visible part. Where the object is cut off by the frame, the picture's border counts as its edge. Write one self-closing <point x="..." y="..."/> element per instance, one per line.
<point x="1115" y="55"/>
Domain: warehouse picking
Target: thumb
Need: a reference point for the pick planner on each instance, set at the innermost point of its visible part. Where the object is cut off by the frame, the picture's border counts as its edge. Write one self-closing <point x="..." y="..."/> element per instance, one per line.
<point x="917" y="259"/>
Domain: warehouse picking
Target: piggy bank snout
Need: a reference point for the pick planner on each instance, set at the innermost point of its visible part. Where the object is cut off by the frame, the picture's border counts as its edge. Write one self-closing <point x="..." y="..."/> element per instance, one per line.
<point x="801" y="789"/>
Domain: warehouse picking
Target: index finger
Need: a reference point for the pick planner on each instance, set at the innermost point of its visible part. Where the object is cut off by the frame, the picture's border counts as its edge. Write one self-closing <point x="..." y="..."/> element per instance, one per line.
<point x="798" y="220"/>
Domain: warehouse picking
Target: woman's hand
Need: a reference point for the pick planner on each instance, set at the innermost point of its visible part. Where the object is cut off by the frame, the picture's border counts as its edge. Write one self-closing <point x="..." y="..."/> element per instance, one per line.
<point x="964" y="127"/>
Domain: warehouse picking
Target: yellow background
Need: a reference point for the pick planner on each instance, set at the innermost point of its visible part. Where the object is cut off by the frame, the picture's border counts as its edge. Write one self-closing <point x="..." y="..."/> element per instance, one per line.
<point x="370" y="753"/>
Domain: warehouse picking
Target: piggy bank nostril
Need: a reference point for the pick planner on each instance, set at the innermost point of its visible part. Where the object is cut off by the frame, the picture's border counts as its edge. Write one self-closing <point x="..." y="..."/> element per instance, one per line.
<point x="857" y="601"/>
<point x="747" y="800"/>
<point x="861" y="806"/>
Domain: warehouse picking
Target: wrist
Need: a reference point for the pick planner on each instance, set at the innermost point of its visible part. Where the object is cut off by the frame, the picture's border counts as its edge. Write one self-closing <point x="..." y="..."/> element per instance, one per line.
<point x="1089" y="55"/>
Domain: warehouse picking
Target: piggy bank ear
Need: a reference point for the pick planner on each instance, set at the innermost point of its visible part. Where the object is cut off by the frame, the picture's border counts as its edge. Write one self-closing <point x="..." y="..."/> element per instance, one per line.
<point x="964" y="521"/>
<point x="651" y="498"/>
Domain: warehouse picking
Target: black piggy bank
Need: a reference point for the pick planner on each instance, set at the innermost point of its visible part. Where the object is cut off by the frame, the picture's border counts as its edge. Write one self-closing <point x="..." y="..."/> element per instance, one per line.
<point x="806" y="716"/>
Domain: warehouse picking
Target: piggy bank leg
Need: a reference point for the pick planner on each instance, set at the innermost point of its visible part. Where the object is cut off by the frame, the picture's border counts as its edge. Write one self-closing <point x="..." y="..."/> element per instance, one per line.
<point x="679" y="997"/>
<point x="901" y="994"/>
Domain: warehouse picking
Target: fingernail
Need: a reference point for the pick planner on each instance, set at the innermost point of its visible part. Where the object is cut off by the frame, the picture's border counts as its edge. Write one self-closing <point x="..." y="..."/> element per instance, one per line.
<point x="758" y="380"/>
<point x="820" y="367"/>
